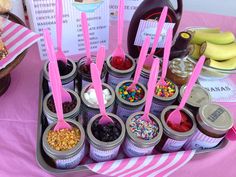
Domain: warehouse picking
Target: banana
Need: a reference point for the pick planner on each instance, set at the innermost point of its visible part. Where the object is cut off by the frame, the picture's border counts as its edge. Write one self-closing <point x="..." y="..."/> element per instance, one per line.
<point x="199" y="37"/>
<point x="194" y="51"/>
<point x="208" y="30"/>
<point x="218" y="52"/>
<point x="227" y="64"/>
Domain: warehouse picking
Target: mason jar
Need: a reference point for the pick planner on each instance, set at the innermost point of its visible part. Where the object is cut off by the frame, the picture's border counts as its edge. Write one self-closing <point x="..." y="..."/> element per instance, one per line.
<point x="199" y="96"/>
<point x="145" y="73"/>
<point x="179" y="71"/>
<point x="68" y="80"/>
<point x="65" y="159"/>
<point x="159" y="103"/>
<point x="116" y="76"/>
<point x="72" y="114"/>
<point x="89" y="110"/>
<point x="135" y="146"/>
<point x="173" y="140"/>
<point x="125" y="108"/>
<point x="103" y="151"/>
<point x="85" y="78"/>
<point x="213" y="123"/>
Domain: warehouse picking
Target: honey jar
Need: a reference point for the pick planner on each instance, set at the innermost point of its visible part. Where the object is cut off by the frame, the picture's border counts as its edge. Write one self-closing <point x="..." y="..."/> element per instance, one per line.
<point x="179" y="71"/>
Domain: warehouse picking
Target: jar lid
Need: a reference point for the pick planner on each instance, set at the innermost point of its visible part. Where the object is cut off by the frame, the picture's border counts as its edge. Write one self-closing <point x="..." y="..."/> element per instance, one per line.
<point x="180" y="67"/>
<point x="199" y="96"/>
<point x="215" y="119"/>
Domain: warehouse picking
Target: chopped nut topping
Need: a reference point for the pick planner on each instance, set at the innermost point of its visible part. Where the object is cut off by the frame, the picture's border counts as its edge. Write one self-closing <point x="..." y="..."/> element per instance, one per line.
<point x="64" y="139"/>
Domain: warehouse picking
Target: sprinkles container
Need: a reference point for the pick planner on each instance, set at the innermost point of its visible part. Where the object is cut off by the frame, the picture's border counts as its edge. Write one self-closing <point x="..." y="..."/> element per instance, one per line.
<point x="141" y="137"/>
<point x="65" y="159"/>
<point x="174" y="140"/>
<point x="85" y="78"/>
<point x="89" y="110"/>
<point x="68" y="79"/>
<point x="103" y="151"/>
<point x="125" y="101"/>
<point x="116" y="76"/>
<point x="73" y="114"/>
<point x="199" y="96"/>
<point x="213" y="122"/>
<point x="161" y="101"/>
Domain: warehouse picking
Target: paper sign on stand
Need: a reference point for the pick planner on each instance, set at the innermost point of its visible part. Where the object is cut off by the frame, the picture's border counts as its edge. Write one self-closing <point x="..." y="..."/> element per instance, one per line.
<point x="42" y="15"/>
<point x="130" y="7"/>
<point x="223" y="90"/>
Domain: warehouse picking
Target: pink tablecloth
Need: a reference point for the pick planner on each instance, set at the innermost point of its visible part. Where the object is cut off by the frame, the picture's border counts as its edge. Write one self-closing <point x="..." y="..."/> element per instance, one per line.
<point x="19" y="108"/>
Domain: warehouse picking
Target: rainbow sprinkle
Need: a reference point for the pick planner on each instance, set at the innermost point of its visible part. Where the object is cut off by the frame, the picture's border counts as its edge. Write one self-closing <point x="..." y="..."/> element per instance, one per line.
<point x="165" y="90"/>
<point x="142" y="129"/>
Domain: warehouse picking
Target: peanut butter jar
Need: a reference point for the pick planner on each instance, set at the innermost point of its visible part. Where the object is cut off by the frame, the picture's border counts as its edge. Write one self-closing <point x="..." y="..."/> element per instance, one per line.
<point x="213" y="122"/>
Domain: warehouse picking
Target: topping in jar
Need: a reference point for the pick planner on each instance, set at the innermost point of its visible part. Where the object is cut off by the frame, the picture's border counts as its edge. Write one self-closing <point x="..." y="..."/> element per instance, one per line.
<point x="142" y="129"/>
<point x="133" y="95"/>
<point x="64" y="139"/>
<point x="185" y="125"/>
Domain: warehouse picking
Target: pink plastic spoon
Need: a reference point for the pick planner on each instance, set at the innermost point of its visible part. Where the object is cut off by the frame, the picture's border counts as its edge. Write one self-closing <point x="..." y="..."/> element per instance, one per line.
<point x="59" y="8"/>
<point x="175" y="116"/>
<point x="119" y="52"/>
<point x="166" y="56"/>
<point x="160" y="25"/>
<point x="56" y="87"/>
<point x="231" y="135"/>
<point x="98" y="89"/>
<point x="151" y="88"/>
<point x="66" y="97"/>
<point x="86" y="37"/>
<point x="100" y="58"/>
<point x="140" y="63"/>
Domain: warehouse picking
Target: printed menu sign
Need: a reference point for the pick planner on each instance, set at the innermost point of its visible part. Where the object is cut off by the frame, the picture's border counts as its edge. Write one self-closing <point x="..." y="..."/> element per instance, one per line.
<point x="42" y="15"/>
<point x="223" y="90"/>
<point x="130" y="7"/>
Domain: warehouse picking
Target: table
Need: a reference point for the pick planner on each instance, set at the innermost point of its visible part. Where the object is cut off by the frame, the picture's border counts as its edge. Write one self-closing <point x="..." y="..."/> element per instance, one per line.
<point x="19" y="111"/>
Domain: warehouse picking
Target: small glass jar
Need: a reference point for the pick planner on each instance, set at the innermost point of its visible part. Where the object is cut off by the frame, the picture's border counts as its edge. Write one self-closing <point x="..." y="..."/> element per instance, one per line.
<point x="125" y="108"/>
<point x="67" y="79"/>
<point x="85" y="78"/>
<point x="72" y="114"/>
<point x="199" y="96"/>
<point x="173" y="140"/>
<point x="135" y="146"/>
<point x="145" y="73"/>
<point x="115" y="76"/>
<point x="179" y="71"/>
<point x="103" y="151"/>
<point x="213" y="122"/>
<point x="159" y="103"/>
<point x="90" y="110"/>
<point x="65" y="159"/>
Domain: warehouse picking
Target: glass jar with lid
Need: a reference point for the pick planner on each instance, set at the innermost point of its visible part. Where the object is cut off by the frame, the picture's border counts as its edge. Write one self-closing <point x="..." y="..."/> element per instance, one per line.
<point x="213" y="122"/>
<point x="179" y="71"/>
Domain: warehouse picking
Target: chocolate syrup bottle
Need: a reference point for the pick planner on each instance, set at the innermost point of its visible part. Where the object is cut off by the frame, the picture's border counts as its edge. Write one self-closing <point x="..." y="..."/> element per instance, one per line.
<point x="151" y="10"/>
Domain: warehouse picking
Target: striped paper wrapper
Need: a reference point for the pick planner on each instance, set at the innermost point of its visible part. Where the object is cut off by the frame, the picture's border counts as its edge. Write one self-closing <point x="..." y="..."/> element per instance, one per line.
<point x="160" y="165"/>
<point x="16" y="38"/>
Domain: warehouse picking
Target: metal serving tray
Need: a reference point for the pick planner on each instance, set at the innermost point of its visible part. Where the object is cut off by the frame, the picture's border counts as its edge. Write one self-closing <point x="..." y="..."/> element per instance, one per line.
<point x="46" y="163"/>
